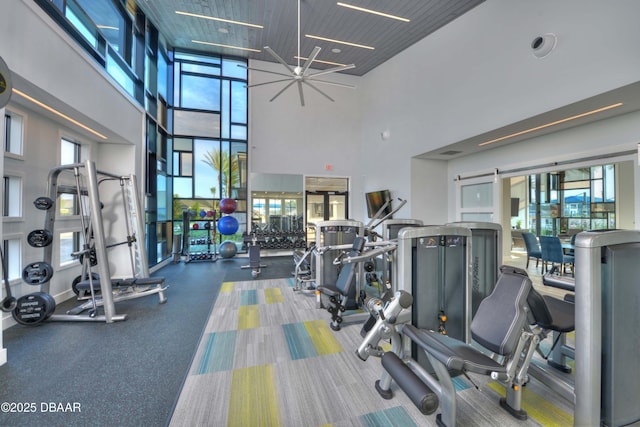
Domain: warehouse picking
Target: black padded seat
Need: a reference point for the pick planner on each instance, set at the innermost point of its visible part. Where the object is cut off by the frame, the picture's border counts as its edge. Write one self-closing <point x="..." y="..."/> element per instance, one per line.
<point x="552" y="313"/>
<point x="558" y="316"/>
<point x="500" y="326"/>
<point x="338" y="293"/>
<point x="454" y="354"/>
<point x="563" y="314"/>
<point x="330" y="290"/>
<point x="347" y="273"/>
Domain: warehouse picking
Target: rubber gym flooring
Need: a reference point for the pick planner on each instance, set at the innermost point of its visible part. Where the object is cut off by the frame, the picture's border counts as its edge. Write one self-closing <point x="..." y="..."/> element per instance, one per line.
<point x="225" y="350"/>
<point x="121" y="374"/>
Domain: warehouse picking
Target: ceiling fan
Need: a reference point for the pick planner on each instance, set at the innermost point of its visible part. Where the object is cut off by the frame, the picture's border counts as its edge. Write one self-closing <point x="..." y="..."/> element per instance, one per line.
<point x="300" y="74"/>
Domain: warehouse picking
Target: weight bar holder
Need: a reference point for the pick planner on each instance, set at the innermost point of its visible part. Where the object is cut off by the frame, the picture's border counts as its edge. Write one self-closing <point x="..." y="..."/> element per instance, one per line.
<point x="95" y="238"/>
<point x="95" y="218"/>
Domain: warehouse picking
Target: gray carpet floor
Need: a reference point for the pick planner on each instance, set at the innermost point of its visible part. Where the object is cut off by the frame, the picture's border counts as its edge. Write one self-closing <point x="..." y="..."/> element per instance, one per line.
<point x="268" y="358"/>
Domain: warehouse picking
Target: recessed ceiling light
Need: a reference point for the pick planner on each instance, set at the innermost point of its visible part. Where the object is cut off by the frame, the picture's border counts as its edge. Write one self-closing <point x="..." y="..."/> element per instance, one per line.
<point x="213" y="18"/>
<point x="226" y="45"/>
<point x="336" y="50"/>
<point x="223" y="30"/>
<point x="557" y="122"/>
<point x="340" y="42"/>
<point x="374" y="12"/>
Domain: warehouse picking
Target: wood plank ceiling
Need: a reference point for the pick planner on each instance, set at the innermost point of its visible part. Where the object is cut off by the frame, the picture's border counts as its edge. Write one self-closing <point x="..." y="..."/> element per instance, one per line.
<point x="324" y="18"/>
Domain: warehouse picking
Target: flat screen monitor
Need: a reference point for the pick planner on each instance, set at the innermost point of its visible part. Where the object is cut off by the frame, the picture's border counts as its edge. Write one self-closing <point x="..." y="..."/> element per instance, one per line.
<point x="375" y="200"/>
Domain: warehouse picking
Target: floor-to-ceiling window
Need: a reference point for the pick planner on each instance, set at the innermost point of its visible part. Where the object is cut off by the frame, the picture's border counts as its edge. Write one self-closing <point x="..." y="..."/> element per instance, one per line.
<point x="197" y="125"/>
<point x="210" y="124"/>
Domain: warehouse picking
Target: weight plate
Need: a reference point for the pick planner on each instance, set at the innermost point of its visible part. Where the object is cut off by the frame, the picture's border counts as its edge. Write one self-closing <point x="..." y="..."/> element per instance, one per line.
<point x="43" y="203"/>
<point x="51" y="303"/>
<point x="33" y="309"/>
<point x="40" y="238"/>
<point x="6" y="87"/>
<point x="37" y="273"/>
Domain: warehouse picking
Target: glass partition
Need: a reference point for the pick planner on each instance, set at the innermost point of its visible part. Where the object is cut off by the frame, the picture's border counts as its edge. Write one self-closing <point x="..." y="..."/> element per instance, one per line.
<point x="566" y="202"/>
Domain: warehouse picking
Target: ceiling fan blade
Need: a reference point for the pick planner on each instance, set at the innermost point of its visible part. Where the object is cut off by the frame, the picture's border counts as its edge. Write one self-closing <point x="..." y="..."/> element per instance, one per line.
<point x="282" y="90"/>
<point x="333" y="70"/>
<point x="331" y="83"/>
<point x="300" y="92"/>
<point x="310" y="59"/>
<point x="268" y="83"/>
<point x="318" y="90"/>
<point x="267" y="71"/>
<point x="280" y="60"/>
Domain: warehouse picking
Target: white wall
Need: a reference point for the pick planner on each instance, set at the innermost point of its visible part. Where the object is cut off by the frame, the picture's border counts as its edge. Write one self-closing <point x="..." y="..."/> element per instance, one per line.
<point x="478" y="74"/>
<point x="48" y="65"/>
<point x="286" y="138"/>
<point x="49" y="62"/>
<point x="615" y="135"/>
<point x="428" y="196"/>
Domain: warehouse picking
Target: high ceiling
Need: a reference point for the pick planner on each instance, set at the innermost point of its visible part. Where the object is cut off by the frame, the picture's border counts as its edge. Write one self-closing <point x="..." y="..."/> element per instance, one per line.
<point x="330" y="19"/>
<point x="323" y="18"/>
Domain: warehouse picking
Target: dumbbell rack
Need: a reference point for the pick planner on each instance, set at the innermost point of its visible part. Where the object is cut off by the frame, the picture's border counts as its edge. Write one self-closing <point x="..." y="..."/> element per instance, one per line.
<point x="294" y="239"/>
<point x="203" y="246"/>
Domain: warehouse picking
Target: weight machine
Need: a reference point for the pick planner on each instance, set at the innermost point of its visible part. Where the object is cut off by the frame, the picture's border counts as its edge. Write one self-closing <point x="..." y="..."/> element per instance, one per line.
<point x="315" y="266"/>
<point x="348" y="292"/>
<point x="607" y="343"/>
<point x="39" y="306"/>
<point x="254" y="255"/>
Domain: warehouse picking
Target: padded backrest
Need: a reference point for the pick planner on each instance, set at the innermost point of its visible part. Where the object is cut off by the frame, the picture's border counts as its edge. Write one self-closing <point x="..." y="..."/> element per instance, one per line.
<point x="347" y="274"/>
<point x="551" y="249"/>
<point x="530" y="242"/>
<point x="358" y="246"/>
<point x="539" y="310"/>
<point x="502" y="315"/>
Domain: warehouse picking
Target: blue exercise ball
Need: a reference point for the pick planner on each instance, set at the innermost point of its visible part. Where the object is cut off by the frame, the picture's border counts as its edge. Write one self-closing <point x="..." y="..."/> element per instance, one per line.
<point x="228" y="225"/>
<point x="228" y="249"/>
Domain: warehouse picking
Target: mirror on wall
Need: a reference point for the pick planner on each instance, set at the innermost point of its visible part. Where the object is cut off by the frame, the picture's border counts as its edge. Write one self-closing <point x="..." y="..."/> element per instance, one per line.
<point x="277" y="210"/>
<point x="568" y="201"/>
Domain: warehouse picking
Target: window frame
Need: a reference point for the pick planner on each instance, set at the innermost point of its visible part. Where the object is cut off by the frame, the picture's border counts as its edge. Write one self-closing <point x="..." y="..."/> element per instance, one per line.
<point x="9" y="197"/>
<point x="14" y="266"/>
<point x="77" y="158"/>
<point x="76" y="244"/>
<point x="7" y="127"/>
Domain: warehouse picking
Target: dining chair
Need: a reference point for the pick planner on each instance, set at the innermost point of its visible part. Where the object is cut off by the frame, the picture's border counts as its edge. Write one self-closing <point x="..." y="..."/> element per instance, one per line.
<point x="533" y="247"/>
<point x="571" y="251"/>
<point x="553" y="253"/>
